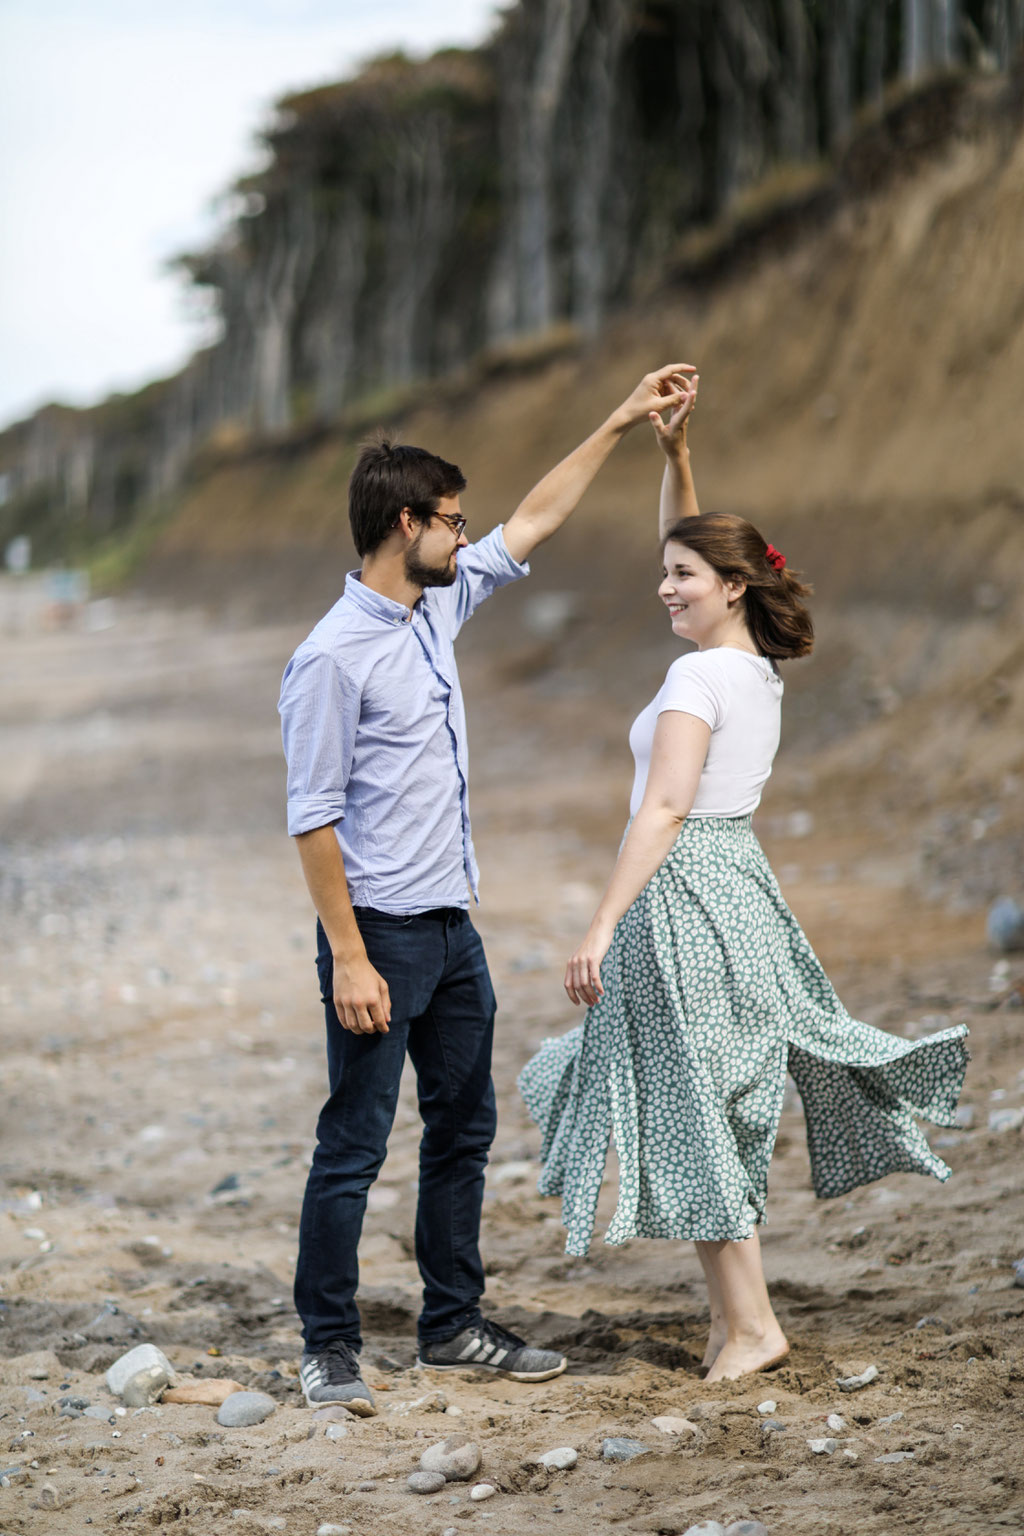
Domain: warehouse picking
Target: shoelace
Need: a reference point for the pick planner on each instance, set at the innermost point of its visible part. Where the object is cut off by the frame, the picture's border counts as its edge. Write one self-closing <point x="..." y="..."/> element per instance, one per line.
<point x="341" y="1355"/>
<point x="494" y="1334"/>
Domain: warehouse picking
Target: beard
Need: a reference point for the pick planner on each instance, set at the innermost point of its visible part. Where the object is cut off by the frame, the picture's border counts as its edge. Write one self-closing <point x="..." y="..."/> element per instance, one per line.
<point x="422" y="575"/>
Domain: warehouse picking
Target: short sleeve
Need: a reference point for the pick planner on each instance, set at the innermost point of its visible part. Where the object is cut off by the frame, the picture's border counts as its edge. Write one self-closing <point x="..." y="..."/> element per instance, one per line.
<point x="319" y="716"/>
<point x="694" y="686"/>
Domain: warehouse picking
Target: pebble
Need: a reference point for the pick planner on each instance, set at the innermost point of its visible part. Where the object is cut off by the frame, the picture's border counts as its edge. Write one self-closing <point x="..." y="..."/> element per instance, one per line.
<point x="933" y="1322"/>
<point x="895" y="1456"/>
<point x="457" y="1457"/>
<point x="9" y="1475"/>
<point x="482" y="1491"/>
<point x="145" y="1387"/>
<point x="243" y="1409"/>
<point x="746" y="1528"/>
<point x="621" y="1448"/>
<point x="433" y="1402"/>
<point x="1000" y="1120"/>
<point x="850" y="1455"/>
<point x="773" y="1427"/>
<point x="137" y="1359"/>
<point x="49" y="1498"/>
<point x="768" y="1406"/>
<point x="705" y="1528"/>
<point x="890" y="1418"/>
<point x="1004" y="925"/>
<point x="1018" y="1273"/>
<point x="836" y="1423"/>
<point x="334" y="1412"/>
<point x="96" y="1411"/>
<point x="330" y="1529"/>
<point x="854" y="1383"/>
<point x="674" y="1426"/>
<point x="963" y="1116"/>
<point x="560" y="1459"/>
<point x="425" y="1482"/>
<point x="336" y="1431"/>
<point x="822" y="1447"/>
<point x="366" y="1487"/>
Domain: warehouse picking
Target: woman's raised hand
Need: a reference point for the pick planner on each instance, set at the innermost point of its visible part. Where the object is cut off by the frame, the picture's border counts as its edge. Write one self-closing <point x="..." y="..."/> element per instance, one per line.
<point x="583" y="973"/>
<point x="671" y="434"/>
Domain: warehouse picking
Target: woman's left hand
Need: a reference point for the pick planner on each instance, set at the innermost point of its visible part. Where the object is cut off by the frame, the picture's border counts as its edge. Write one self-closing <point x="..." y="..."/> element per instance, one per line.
<point x="583" y="973"/>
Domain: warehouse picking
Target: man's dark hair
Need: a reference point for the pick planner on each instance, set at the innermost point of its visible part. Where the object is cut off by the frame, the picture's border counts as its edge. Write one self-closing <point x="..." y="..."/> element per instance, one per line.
<point x="389" y="476"/>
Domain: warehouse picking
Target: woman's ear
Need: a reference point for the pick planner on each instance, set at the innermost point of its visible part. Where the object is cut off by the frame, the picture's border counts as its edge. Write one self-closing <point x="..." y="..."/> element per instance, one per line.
<point x="735" y="588"/>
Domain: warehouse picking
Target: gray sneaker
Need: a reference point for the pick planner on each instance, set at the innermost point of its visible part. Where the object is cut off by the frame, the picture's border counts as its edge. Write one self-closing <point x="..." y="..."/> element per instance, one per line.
<point x="486" y="1347"/>
<point x="331" y="1375"/>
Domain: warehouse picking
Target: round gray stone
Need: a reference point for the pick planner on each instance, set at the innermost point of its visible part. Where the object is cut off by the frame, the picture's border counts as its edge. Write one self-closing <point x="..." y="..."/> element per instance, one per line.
<point x="243" y="1409"/>
<point x="621" y="1448"/>
<point x="425" y="1482"/>
<point x="1005" y="924"/>
<point x="457" y="1458"/>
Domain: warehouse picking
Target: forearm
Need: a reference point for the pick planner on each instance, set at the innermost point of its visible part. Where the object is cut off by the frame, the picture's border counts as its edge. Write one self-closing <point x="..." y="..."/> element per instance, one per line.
<point x="543" y="511"/>
<point x="678" y="492"/>
<point x="651" y="835"/>
<point x="324" y="869"/>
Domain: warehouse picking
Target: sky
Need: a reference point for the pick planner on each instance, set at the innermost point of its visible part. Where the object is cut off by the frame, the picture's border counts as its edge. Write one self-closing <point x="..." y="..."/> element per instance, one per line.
<point x="123" y="123"/>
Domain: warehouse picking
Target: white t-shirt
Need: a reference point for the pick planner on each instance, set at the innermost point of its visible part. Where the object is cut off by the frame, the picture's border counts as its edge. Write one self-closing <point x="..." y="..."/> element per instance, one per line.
<point x="739" y="696"/>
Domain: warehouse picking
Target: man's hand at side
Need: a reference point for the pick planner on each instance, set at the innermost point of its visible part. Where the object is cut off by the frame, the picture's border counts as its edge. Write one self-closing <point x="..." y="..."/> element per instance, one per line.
<point x="361" y="995"/>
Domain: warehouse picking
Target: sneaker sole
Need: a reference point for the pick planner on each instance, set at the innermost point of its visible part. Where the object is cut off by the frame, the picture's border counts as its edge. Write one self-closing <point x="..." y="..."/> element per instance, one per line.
<point x="494" y="1370"/>
<point x="360" y="1406"/>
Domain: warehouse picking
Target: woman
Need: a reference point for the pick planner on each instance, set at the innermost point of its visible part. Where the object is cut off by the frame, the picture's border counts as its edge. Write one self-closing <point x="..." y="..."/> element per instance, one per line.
<point x="701" y="987"/>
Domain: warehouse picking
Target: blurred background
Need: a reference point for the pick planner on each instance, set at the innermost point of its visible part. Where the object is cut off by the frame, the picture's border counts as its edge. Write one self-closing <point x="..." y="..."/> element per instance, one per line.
<point x="238" y="238"/>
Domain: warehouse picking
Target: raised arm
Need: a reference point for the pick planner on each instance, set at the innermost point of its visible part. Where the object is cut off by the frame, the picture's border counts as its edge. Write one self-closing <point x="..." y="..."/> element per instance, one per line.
<point x="678" y="494"/>
<point x="543" y="511"/>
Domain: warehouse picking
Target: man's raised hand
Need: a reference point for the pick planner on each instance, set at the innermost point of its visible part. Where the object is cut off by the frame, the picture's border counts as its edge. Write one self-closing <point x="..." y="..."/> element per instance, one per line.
<point x="663" y="390"/>
<point x="671" y="434"/>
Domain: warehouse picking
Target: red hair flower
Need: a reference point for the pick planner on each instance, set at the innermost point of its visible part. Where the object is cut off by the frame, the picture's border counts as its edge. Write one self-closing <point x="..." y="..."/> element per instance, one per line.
<point x="775" y="557"/>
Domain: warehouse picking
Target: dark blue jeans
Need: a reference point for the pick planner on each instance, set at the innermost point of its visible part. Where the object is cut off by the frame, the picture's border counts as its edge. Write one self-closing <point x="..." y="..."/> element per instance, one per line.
<point x="442" y="1013"/>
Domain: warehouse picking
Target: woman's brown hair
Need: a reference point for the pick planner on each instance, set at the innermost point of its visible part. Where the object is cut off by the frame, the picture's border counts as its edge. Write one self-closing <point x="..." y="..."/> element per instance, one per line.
<point x="779" y="623"/>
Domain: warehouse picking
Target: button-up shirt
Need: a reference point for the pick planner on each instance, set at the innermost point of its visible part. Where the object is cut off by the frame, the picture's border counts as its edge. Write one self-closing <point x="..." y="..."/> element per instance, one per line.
<point x="375" y="736"/>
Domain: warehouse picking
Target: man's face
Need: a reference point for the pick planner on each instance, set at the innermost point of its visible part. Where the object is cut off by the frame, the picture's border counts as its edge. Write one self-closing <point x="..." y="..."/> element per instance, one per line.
<point x="431" y="557"/>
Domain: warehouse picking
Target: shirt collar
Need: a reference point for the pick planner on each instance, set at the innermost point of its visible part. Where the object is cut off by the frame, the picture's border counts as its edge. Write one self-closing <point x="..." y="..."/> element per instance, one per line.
<point x="375" y="603"/>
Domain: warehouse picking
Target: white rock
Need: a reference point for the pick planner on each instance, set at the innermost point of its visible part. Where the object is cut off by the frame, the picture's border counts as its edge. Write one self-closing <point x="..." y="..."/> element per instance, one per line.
<point x="768" y="1406"/>
<point x="836" y="1423"/>
<point x="673" y="1426"/>
<point x="850" y="1455"/>
<point x="560" y="1459"/>
<point x="138" y="1359"/>
<point x="457" y="1457"/>
<point x="895" y="1456"/>
<point x="335" y="1431"/>
<point x="482" y="1491"/>
<point x="145" y="1386"/>
<point x="822" y="1447"/>
<point x="854" y="1383"/>
<point x="329" y="1528"/>
<point x="705" y="1528"/>
<point x="746" y="1528"/>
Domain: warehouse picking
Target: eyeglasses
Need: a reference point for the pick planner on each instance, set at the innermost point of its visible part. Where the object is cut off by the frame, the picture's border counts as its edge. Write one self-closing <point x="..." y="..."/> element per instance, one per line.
<point x="453" y="521"/>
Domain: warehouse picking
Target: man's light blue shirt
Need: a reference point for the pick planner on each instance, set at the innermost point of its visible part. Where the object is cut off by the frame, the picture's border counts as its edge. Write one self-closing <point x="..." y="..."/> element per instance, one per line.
<point x="374" y="733"/>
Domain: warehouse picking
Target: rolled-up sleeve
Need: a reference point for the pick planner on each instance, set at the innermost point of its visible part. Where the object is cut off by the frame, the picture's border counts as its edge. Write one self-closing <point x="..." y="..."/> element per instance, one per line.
<point x="483" y="568"/>
<point x="319" y="715"/>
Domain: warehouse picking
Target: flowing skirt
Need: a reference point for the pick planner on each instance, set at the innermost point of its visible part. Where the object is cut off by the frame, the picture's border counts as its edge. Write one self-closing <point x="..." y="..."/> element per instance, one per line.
<point x="712" y="992"/>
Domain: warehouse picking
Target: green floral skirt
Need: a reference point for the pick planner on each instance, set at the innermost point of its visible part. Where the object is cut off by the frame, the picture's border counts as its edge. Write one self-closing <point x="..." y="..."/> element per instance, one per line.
<point x="712" y="993"/>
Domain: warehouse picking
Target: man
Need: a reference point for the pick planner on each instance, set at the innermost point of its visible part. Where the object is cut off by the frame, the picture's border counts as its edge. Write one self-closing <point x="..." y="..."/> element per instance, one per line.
<point x="374" y="735"/>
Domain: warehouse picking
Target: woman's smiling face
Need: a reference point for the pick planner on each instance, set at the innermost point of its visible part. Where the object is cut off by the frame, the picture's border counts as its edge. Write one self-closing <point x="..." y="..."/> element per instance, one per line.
<point x="697" y="598"/>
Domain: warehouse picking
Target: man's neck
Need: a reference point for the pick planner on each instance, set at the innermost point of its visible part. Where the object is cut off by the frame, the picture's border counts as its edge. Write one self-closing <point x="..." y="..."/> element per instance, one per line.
<point x="385" y="573"/>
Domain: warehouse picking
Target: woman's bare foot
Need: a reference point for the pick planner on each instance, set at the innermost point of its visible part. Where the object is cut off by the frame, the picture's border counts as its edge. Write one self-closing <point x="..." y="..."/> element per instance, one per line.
<point x="716" y="1343"/>
<point x="743" y="1356"/>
